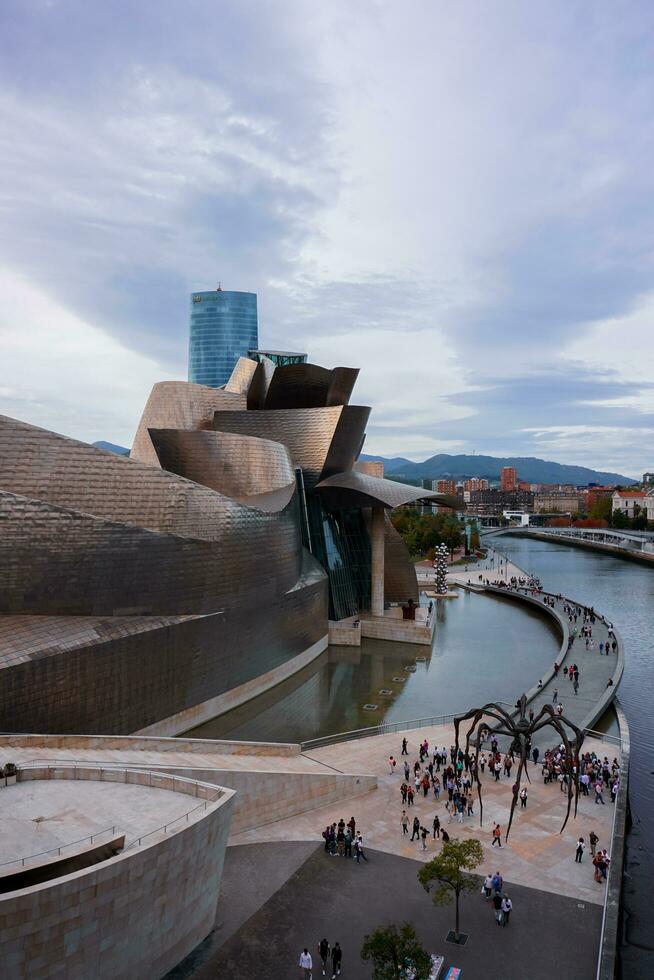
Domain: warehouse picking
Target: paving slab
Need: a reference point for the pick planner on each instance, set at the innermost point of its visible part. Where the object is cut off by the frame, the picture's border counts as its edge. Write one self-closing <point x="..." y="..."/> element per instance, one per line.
<point x="548" y="935"/>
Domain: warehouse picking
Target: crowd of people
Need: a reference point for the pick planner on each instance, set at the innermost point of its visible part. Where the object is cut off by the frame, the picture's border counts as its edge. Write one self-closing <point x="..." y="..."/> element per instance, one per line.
<point x="344" y="840"/>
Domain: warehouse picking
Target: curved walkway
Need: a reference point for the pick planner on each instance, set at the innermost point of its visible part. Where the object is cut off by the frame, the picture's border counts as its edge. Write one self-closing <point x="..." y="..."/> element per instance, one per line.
<point x="595" y="669"/>
<point x="536" y="854"/>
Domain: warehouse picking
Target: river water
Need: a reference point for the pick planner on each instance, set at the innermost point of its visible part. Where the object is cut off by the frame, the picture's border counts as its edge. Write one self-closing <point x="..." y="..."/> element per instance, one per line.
<point x="484" y="649"/>
<point x="624" y="591"/>
<point x="489" y="649"/>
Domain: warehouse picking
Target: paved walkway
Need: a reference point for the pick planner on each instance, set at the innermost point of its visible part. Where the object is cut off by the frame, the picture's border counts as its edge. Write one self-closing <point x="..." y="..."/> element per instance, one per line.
<point x="169" y="759"/>
<point x="548" y="936"/>
<point x="496" y="567"/>
<point x="595" y="669"/>
<point x="536" y="854"/>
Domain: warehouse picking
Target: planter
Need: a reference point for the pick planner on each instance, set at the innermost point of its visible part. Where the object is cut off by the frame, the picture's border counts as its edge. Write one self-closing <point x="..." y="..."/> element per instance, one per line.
<point x="9" y="780"/>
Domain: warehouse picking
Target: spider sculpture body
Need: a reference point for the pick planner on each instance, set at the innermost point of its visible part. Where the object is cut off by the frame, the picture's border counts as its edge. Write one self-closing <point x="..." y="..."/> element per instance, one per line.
<point x="520" y="730"/>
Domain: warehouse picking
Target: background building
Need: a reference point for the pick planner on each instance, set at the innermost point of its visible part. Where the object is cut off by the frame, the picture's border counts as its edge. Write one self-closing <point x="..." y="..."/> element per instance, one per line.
<point x="223" y="327"/>
<point x="493" y="502"/>
<point x="446" y="486"/>
<point x="508" y="478"/>
<point x="555" y="502"/>
<point x="627" y="501"/>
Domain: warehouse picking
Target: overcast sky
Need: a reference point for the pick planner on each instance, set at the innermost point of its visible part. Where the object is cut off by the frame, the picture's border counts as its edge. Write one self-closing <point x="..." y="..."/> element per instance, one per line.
<point x="456" y="197"/>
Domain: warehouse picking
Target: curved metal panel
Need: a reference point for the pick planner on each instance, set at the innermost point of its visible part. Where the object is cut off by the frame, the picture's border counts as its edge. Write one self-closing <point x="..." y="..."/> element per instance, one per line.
<point x="348" y="439"/>
<point x="354" y="488"/>
<point x="57" y="561"/>
<point x="309" y="386"/>
<point x="119" y="675"/>
<point x="342" y="383"/>
<point x="46" y="466"/>
<point x="179" y="405"/>
<point x="241" y="377"/>
<point x="400" y="580"/>
<point x="260" y="383"/>
<point x="307" y="433"/>
<point x="235" y="465"/>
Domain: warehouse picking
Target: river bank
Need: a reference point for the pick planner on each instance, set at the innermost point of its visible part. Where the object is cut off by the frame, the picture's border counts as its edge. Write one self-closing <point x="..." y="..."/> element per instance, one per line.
<point x="624" y="591"/>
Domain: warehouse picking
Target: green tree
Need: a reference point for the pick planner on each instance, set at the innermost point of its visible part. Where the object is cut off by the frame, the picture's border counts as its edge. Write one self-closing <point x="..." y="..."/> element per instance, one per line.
<point x="447" y="875"/>
<point x="393" y="950"/>
<point x="600" y="509"/>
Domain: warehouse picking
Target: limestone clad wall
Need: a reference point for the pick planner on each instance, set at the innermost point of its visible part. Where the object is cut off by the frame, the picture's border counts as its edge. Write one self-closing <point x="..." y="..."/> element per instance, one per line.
<point x="135" y="916"/>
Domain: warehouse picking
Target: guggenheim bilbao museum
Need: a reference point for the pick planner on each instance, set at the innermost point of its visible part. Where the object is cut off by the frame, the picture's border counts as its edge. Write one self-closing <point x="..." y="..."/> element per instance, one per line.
<point x="147" y="594"/>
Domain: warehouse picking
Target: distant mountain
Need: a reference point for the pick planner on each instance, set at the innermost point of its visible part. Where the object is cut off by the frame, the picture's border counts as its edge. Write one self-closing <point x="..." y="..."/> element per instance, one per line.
<point x="529" y="468"/>
<point x="110" y="447"/>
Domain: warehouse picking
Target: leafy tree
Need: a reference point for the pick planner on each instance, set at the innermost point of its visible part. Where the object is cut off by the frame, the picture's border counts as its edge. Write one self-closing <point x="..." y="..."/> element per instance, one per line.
<point x="446" y="876"/>
<point x="393" y="950"/>
<point x="600" y="509"/>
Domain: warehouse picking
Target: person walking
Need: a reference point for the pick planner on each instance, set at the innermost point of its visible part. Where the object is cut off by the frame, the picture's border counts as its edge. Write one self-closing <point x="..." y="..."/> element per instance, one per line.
<point x="445" y="837"/>
<point x="497" y="883"/>
<point x="403" y="790"/>
<point x="409" y="796"/>
<point x="497" y="905"/>
<point x="555" y="696"/>
<point x="323" y="951"/>
<point x="404" y="823"/>
<point x="391" y="764"/>
<point x="535" y="755"/>
<point x="579" y="852"/>
<point x="423" y="835"/>
<point x="407" y="771"/>
<point x="404" y="747"/>
<point x="416" y="829"/>
<point x="599" y="792"/>
<point x="488" y="886"/>
<point x="523" y="798"/>
<point x="593" y="840"/>
<point x="306" y="964"/>
<point x="337" y="959"/>
<point x="436" y="827"/>
<point x="358" y="848"/>
<point x="507" y="905"/>
<point x="497" y="835"/>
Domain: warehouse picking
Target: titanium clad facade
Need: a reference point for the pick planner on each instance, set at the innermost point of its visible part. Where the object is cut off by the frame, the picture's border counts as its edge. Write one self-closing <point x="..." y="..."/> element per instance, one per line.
<point x="145" y="591"/>
<point x="223" y="327"/>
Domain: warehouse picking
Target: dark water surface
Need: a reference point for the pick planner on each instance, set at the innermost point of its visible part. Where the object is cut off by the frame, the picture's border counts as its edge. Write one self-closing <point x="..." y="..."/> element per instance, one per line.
<point x="484" y="649"/>
<point x="624" y="591"/>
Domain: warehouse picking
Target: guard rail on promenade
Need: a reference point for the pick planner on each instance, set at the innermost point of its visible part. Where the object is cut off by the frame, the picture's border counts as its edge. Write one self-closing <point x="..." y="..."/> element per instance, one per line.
<point x="176" y="784"/>
<point x="57" y="847"/>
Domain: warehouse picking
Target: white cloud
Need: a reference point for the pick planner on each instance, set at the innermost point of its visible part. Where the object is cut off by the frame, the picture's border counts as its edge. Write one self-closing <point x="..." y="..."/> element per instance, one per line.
<point x="65" y="374"/>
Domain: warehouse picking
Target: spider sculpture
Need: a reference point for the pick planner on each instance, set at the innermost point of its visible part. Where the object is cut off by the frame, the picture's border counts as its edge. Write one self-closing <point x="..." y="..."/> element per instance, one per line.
<point x="521" y="731"/>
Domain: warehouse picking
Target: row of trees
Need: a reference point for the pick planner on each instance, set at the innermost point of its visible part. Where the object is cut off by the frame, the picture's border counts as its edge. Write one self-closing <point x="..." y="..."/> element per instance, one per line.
<point x="397" y="954"/>
<point x="422" y="533"/>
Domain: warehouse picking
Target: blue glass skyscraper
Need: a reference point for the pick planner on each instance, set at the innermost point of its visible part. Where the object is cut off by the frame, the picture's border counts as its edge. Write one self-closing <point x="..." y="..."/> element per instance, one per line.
<point x="223" y="328"/>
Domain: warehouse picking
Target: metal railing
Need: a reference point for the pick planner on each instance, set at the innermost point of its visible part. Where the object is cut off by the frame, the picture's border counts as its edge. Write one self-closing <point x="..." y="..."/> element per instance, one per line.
<point x="121" y="767"/>
<point x="384" y="728"/>
<point x="388" y="728"/>
<point x="49" y="850"/>
<point x="164" y="827"/>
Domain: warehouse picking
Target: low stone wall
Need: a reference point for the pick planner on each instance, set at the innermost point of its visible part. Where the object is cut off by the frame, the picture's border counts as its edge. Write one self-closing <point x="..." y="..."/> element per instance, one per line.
<point x="608" y="696"/>
<point x="263" y="797"/>
<point x="641" y="557"/>
<point x="147" y="743"/>
<point x="345" y="632"/>
<point x="136" y="915"/>
<point x="607" y="965"/>
<point x="397" y="630"/>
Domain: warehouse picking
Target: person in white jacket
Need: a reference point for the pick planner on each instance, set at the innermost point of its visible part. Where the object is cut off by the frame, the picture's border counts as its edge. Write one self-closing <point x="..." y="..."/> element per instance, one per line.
<point x="306" y="964"/>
